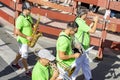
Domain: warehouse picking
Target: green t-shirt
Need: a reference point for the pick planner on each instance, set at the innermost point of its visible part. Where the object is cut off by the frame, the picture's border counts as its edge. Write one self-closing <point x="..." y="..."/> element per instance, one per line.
<point x="83" y="27"/>
<point x="24" y="24"/>
<point x="41" y="72"/>
<point x="64" y="44"/>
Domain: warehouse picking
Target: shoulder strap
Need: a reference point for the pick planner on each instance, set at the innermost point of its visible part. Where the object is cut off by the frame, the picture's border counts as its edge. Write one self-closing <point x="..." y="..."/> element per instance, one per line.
<point x="27" y="19"/>
<point x="65" y="36"/>
<point x="83" y="37"/>
<point x="48" y="73"/>
<point x="83" y="33"/>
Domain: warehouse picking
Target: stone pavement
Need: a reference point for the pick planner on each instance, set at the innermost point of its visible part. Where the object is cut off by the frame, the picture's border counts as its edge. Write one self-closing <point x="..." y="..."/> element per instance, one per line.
<point x="108" y="69"/>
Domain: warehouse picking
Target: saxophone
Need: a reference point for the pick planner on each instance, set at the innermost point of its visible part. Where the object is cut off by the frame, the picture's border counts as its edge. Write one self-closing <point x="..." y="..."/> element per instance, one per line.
<point x="35" y="34"/>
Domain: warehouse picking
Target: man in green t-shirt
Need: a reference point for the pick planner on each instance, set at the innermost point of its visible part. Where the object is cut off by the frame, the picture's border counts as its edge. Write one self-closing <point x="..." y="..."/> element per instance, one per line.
<point x="24" y="31"/>
<point x="83" y="36"/>
<point x="42" y="69"/>
<point x="65" y="54"/>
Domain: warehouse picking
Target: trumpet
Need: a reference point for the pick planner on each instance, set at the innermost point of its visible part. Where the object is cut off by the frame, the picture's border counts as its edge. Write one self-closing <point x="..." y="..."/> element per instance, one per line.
<point x="54" y="67"/>
<point x="64" y="66"/>
<point x="69" y="69"/>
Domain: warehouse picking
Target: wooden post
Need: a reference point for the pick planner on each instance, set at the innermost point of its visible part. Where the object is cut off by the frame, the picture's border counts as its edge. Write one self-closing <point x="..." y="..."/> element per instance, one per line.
<point x="104" y="33"/>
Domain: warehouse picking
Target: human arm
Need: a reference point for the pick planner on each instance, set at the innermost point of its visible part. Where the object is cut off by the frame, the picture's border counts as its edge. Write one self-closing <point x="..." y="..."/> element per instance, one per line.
<point x="55" y="75"/>
<point x="63" y="55"/>
<point x="18" y="32"/>
<point x="93" y="25"/>
<point x="19" y="27"/>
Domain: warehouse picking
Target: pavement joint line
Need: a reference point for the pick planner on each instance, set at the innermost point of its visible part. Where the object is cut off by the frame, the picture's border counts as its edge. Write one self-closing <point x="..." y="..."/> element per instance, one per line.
<point x="9" y="63"/>
<point x="3" y="56"/>
<point x="20" y="71"/>
<point x="9" y="75"/>
<point x="9" y="32"/>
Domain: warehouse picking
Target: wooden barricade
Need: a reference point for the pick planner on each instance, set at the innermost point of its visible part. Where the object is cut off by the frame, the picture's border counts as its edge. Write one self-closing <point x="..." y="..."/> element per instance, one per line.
<point x="6" y="16"/>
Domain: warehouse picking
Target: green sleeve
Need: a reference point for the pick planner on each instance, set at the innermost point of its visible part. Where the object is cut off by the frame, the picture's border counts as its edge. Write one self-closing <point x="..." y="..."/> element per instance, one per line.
<point x="85" y="27"/>
<point x="38" y="75"/>
<point x="63" y="44"/>
<point x="19" y="23"/>
<point x="82" y="25"/>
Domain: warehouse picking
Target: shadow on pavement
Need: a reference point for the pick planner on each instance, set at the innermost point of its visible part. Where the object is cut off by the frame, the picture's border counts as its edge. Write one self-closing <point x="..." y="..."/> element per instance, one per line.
<point x="106" y="69"/>
<point x="5" y="69"/>
<point x="4" y="44"/>
<point x="21" y="77"/>
<point x="31" y="61"/>
<point x="1" y="25"/>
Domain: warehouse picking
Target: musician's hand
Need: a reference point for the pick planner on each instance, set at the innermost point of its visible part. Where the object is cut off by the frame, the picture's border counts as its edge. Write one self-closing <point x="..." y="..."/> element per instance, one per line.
<point x="54" y="67"/>
<point x="76" y="55"/>
<point x="91" y="13"/>
<point x="29" y="38"/>
<point x="55" y="74"/>
<point x="95" y="18"/>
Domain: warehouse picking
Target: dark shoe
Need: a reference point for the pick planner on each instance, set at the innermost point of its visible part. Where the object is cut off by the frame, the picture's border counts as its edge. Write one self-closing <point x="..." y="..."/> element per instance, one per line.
<point x="96" y="59"/>
<point x="28" y="73"/>
<point x="16" y="66"/>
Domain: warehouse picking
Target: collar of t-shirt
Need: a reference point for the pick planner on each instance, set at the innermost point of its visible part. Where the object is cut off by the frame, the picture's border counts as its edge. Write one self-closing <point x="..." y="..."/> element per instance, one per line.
<point x="63" y="33"/>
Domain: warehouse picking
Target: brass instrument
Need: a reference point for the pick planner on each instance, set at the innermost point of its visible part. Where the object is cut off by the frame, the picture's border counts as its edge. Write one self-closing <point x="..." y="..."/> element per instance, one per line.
<point x="53" y="65"/>
<point x="69" y="69"/>
<point x="35" y="34"/>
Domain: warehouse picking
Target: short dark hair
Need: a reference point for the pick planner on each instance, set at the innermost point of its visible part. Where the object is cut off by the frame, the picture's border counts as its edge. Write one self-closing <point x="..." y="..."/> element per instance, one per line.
<point x="81" y="11"/>
<point x="72" y="24"/>
<point x="26" y="5"/>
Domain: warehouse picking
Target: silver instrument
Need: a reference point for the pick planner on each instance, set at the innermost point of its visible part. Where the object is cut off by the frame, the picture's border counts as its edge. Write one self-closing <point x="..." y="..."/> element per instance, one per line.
<point x="78" y="45"/>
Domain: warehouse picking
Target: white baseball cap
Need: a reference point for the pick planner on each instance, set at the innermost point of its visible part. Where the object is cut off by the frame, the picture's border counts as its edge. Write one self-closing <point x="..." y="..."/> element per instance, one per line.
<point x="44" y="53"/>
